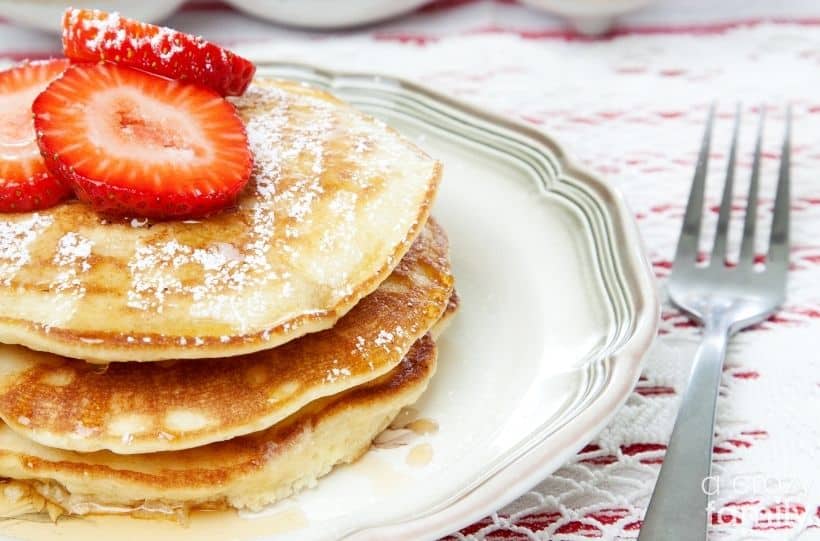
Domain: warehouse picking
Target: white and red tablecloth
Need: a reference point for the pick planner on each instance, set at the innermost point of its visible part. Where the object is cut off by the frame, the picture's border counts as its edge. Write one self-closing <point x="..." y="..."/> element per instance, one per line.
<point x="630" y="107"/>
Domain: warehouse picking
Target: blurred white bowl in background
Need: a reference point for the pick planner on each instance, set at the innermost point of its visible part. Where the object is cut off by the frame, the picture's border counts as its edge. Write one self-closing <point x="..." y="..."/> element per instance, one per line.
<point x="589" y="17"/>
<point x="48" y="14"/>
<point x="326" y="14"/>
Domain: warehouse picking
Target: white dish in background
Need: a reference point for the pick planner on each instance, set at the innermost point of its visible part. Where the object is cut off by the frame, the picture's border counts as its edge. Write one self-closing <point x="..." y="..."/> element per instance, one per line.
<point x="48" y="14"/>
<point x="589" y="17"/>
<point x="326" y="14"/>
<point x="558" y="307"/>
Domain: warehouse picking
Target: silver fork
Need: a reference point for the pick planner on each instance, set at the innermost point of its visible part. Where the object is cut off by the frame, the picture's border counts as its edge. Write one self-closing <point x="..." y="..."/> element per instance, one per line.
<point x="724" y="300"/>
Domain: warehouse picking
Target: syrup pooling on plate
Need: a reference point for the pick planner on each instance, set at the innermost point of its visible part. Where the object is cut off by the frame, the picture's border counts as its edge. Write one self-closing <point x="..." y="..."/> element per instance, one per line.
<point x="317" y="227"/>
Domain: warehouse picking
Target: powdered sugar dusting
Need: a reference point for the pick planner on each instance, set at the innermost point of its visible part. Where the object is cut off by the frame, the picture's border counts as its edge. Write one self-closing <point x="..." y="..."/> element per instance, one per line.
<point x="166" y="46"/>
<point x="387" y="340"/>
<point x="81" y="431"/>
<point x="104" y="30"/>
<point x="306" y="141"/>
<point x="105" y="34"/>
<point x="335" y="373"/>
<point x="384" y="338"/>
<point x="360" y="347"/>
<point x="73" y="251"/>
<point x="71" y="260"/>
<point x="15" y="239"/>
<point x="150" y="280"/>
<point x="154" y="273"/>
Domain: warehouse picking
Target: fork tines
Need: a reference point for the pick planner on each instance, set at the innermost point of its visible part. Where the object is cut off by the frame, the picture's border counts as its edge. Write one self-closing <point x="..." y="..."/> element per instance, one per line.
<point x="777" y="257"/>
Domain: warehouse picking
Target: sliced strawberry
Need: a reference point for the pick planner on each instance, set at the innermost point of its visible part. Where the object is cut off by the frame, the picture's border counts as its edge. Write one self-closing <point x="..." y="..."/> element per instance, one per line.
<point x="131" y="143"/>
<point x="93" y="35"/>
<point x="25" y="183"/>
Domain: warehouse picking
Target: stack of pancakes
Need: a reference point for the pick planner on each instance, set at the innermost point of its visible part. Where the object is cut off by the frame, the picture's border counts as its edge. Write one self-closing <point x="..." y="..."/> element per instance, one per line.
<point x="154" y="367"/>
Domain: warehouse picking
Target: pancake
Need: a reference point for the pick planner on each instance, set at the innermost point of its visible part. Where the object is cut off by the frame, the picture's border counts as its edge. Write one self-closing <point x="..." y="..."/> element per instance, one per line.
<point x="335" y="200"/>
<point x="146" y="407"/>
<point x="243" y="473"/>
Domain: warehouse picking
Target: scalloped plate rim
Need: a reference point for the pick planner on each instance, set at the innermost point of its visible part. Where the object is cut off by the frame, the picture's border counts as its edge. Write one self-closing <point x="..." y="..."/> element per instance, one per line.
<point x="545" y="457"/>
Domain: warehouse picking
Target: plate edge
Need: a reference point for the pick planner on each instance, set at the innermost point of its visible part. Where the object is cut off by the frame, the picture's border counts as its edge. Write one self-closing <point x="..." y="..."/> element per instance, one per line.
<point x="542" y="459"/>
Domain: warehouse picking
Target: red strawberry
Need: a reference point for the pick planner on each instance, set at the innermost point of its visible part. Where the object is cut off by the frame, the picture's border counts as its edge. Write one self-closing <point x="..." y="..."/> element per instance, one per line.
<point x="25" y="183"/>
<point x="92" y="35"/>
<point x="131" y="143"/>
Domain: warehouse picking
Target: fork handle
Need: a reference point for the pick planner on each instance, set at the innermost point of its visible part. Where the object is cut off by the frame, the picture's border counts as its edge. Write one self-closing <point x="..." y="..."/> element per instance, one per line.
<point x="679" y="506"/>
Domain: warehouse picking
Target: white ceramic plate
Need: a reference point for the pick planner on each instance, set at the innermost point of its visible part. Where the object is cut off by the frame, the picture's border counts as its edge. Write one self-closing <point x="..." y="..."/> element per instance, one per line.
<point x="558" y="308"/>
<point x="48" y="14"/>
<point x="326" y="14"/>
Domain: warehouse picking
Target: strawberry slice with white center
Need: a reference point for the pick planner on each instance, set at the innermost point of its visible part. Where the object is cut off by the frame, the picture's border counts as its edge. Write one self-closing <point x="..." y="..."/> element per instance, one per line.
<point x="91" y="35"/>
<point x="25" y="183"/>
<point x="134" y="144"/>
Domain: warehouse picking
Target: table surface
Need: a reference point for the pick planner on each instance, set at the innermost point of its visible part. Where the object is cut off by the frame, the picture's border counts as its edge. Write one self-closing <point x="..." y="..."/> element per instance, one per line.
<point x="631" y="107"/>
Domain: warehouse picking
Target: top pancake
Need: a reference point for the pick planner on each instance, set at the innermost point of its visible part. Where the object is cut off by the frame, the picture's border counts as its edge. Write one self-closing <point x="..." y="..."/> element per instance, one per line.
<point x="335" y="200"/>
